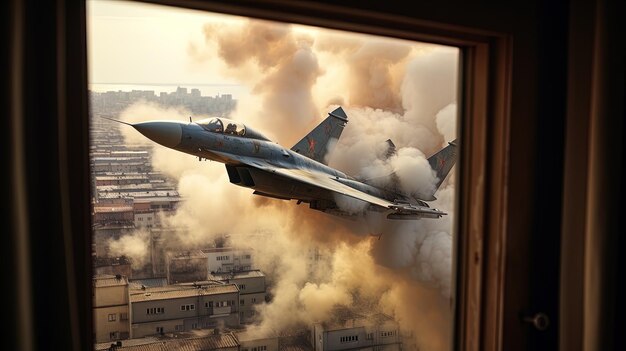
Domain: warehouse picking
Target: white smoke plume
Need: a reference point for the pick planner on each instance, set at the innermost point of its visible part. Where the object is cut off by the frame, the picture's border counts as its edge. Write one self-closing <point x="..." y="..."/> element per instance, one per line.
<point x="135" y="246"/>
<point x="389" y="89"/>
<point x="446" y="121"/>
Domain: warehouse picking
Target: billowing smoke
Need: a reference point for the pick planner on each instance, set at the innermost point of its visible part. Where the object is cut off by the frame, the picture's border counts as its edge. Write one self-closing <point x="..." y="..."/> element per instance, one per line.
<point x="135" y="246"/>
<point x="280" y="68"/>
<point x="446" y="121"/>
<point x="397" y="90"/>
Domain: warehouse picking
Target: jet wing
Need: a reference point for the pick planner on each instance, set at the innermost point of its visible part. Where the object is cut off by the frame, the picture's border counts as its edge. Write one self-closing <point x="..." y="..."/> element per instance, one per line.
<point x="327" y="182"/>
<point x="330" y="183"/>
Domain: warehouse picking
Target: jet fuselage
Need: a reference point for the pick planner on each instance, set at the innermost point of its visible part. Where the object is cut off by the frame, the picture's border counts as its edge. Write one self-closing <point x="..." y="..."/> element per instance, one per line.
<point x="226" y="148"/>
<point x="193" y="139"/>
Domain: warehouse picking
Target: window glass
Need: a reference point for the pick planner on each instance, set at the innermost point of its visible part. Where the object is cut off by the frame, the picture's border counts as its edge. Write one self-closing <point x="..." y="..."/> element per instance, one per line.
<point x="214" y="125"/>
<point x="356" y="229"/>
<point x="234" y="128"/>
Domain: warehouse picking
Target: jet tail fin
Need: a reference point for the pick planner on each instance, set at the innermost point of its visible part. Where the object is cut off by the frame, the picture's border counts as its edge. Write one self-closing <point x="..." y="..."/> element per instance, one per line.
<point x="442" y="162"/>
<point x="317" y="144"/>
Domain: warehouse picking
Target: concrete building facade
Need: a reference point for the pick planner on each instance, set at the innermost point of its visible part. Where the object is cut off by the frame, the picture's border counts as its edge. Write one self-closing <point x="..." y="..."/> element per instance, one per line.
<point x="357" y="332"/>
<point x="111" y="308"/>
<point x="182" y="308"/>
<point x="226" y="259"/>
<point x="222" y="342"/>
<point x="252" y="290"/>
<point x="254" y="343"/>
<point x="112" y="266"/>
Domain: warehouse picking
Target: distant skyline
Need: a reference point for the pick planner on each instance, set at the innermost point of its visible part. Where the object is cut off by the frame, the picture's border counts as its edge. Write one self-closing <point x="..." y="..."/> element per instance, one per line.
<point x="168" y="84"/>
<point x="236" y="90"/>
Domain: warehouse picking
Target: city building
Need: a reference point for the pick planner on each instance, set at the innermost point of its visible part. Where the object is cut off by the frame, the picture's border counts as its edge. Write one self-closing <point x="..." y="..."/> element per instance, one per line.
<point x="121" y="179"/>
<point x="252" y="290"/>
<point x="225" y="259"/>
<point x="112" y="213"/>
<point x="252" y="342"/>
<point x="349" y="330"/>
<point x="162" y="241"/>
<point x="115" y="101"/>
<point x="141" y="283"/>
<point x="146" y="219"/>
<point x="110" y="308"/>
<point x="222" y="342"/>
<point x="112" y="266"/>
<point x="104" y="233"/>
<point x="164" y="200"/>
<point x="179" y="308"/>
<point x="186" y="266"/>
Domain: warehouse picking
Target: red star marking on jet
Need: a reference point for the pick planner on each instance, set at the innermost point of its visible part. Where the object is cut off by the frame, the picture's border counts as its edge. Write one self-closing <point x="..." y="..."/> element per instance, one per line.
<point x="442" y="162"/>
<point x="311" y="145"/>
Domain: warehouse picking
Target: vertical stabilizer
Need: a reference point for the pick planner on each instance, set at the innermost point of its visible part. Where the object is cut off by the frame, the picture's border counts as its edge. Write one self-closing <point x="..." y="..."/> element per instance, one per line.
<point x="442" y="162"/>
<point x="317" y="144"/>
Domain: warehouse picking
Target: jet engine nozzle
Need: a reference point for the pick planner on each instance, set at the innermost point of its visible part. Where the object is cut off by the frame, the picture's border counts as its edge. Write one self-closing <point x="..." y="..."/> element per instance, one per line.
<point x="165" y="133"/>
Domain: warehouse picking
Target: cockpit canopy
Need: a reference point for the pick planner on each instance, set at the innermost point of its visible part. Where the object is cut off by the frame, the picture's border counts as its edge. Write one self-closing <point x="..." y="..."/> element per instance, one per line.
<point x="228" y="126"/>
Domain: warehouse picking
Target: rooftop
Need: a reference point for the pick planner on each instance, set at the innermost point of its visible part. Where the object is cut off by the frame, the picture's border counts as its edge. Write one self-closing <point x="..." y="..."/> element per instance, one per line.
<point x="177" y="292"/>
<point x="148" y="196"/>
<point x="106" y="280"/>
<point x="122" y="176"/>
<point x="110" y="261"/>
<point x="224" y="249"/>
<point x="127" y="187"/>
<point x="112" y="208"/>
<point x="147" y="282"/>
<point x="181" y="255"/>
<point x="345" y="318"/>
<point x="236" y="275"/>
<point x="210" y="342"/>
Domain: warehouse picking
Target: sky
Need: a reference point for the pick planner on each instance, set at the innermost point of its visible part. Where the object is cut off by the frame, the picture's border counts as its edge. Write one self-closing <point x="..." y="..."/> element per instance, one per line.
<point x="141" y="44"/>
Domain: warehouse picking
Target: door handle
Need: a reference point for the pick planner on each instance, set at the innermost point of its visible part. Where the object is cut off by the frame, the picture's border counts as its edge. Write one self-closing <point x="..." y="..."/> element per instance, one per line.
<point x="540" y="321"/>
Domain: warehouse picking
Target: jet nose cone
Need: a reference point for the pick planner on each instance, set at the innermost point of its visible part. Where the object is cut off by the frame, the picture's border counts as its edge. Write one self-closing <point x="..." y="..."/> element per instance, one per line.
<point x="163" y="132"/>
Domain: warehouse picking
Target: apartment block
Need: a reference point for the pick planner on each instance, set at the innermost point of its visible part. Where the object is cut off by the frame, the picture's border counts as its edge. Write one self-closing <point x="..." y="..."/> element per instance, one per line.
<point x="110" y="308"/>
<point x="353" y="331"/>
<point x="182" y="308"/>
<point x="252" y="290"/>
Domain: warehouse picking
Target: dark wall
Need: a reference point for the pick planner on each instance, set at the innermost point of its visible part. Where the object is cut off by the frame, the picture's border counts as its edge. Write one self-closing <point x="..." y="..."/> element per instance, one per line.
<point x="46" y="249"/>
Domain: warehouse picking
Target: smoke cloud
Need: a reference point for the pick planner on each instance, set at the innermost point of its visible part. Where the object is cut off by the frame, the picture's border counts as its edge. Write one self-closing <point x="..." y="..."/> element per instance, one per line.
<point x="390" y="89"/>
<point x="134" y="245"/>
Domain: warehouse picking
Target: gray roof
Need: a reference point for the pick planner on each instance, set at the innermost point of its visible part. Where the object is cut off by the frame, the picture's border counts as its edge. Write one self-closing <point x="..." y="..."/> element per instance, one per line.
<point x="254" y="273"/>
<point x="176" y="292"/>
<point x="104" y="280"/>
<point x="227" y="249"/>
<point x="211" y="342"/>
<point x="183" y="255"/>
<point x="147" y="282"/>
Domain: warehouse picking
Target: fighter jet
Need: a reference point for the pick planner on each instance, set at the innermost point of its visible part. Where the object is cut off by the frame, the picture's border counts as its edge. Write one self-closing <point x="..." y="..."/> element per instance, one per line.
<point x="300" y="173"/>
